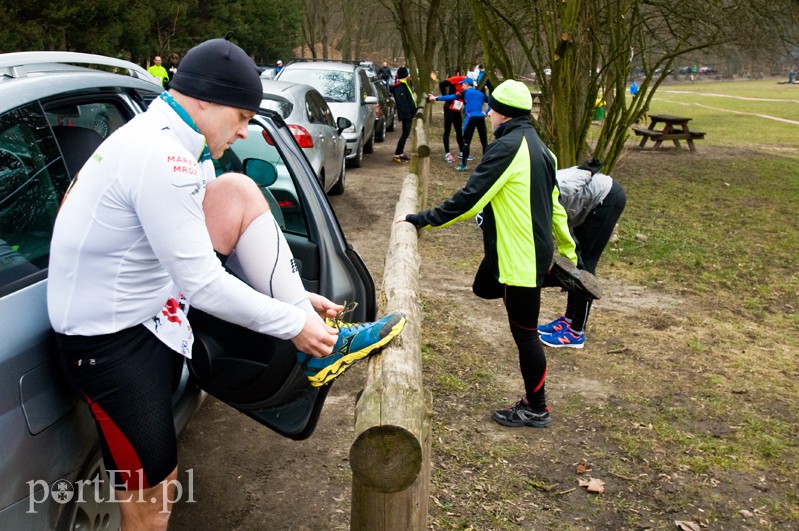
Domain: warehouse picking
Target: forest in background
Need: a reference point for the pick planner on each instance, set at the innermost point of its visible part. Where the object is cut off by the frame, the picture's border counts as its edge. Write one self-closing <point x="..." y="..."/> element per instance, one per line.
<point x="575" y="53"/>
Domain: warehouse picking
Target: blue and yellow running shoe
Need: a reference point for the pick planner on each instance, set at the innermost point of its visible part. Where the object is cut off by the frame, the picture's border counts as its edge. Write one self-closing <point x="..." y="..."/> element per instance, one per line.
<point x="355" y="342"/>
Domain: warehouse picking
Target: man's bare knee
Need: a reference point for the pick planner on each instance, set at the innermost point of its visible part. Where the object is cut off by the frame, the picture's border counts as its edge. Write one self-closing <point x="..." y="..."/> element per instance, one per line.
<point x="232" y="201"/>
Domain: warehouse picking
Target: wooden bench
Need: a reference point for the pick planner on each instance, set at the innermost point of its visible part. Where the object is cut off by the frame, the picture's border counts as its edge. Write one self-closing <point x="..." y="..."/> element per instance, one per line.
<point x="641" y="130"/>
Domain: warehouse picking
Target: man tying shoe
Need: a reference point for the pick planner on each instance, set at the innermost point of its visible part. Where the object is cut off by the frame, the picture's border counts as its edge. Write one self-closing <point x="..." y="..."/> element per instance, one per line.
<point x="145" y="231"/>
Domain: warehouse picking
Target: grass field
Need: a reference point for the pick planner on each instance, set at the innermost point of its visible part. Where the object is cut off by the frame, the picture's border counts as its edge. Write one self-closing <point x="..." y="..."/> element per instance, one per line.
<point x="685" y="400"/>
<point x="736" y="114"/>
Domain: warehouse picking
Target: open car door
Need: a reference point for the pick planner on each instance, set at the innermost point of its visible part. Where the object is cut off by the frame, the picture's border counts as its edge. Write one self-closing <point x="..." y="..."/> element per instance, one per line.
<point x="258" y="374"/>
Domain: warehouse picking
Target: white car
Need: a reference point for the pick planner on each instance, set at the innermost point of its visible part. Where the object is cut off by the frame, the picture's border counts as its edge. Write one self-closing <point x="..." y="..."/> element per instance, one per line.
<point x="348" y="91"/>
<point x="316" y="131"/>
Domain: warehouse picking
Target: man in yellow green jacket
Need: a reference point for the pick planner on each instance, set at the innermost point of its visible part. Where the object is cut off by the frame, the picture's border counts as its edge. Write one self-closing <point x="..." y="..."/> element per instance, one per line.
<point x="158" y="71"/>
<point x="516" y="190"/>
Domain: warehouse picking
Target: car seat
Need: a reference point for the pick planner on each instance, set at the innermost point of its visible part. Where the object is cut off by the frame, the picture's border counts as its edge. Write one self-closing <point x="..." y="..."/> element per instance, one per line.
<point x="77" y="145"/>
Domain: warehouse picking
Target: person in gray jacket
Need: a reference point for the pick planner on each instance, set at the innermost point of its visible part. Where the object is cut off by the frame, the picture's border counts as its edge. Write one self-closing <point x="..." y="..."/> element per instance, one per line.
<point x="594" y="203"/>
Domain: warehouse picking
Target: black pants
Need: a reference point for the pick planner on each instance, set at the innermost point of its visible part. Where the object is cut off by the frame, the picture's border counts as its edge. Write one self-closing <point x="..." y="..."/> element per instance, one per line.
<point x="479" y="123"/>
<point x="523" y="305"/>
<point x="406" y="132"/>
<point x="594" y="234"/>
<point x="453" y="120"/>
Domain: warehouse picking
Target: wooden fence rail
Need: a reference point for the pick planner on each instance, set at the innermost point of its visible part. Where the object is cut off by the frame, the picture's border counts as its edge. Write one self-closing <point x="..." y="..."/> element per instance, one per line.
<point x="390" y="457"/>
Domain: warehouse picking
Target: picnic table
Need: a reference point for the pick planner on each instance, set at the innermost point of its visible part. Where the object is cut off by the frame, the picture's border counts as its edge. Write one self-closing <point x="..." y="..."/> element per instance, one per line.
<point x="667" y="127"/>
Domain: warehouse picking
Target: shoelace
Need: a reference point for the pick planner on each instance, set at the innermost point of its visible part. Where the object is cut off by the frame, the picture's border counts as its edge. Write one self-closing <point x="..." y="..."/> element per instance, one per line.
<point x="348" y="308"/>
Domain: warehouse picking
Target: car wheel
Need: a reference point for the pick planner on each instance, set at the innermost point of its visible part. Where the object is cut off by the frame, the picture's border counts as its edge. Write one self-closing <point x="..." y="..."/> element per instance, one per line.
<point x="338" y="188"/>
<point x="101" y="124"/>
<point x="380" y="134"/>
<point x="357" y="160"/>
<point x="369" y="147"/>
<point x="95" y="510"/>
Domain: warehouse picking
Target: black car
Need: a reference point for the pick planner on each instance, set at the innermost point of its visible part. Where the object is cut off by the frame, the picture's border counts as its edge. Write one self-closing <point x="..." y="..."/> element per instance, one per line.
<point x="386" y="112"/>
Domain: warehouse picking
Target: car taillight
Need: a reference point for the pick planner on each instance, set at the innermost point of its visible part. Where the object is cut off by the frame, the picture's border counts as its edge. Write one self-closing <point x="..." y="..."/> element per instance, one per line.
<point x="302" y="136"/>
<point x="378" y="110"/>
<point x="267" y="138"/>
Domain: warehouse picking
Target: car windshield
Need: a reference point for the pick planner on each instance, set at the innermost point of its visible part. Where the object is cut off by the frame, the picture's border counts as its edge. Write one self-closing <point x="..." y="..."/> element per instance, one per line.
<point x="280" y="105"/>
<point x="335" y="86"/>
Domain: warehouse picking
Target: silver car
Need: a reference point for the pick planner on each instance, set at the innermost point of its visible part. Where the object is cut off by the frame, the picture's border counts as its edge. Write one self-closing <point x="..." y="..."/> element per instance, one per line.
<point x="348" y="91"/>
<point x="315" y="130"/>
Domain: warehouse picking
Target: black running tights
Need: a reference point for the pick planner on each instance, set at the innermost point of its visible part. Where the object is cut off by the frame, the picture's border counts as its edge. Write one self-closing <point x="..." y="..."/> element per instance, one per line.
<point x="406" y="132"/>
<point x="523" y="305"/>
<point x="594" y="234"/>
<point x="453" y="120"/>
<point x="479" y="123"/>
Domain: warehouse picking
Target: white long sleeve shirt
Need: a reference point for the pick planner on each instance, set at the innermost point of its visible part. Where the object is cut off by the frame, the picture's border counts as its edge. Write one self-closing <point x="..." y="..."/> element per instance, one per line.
<point x="130" y="244"/>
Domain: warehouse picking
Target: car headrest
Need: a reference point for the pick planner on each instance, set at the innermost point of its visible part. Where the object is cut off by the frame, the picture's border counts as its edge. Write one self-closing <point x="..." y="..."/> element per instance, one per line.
<point x="77" y="145"/>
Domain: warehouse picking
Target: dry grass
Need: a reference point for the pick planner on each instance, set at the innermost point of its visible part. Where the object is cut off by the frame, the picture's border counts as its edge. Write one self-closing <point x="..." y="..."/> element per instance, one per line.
<point x="684" y="401"/>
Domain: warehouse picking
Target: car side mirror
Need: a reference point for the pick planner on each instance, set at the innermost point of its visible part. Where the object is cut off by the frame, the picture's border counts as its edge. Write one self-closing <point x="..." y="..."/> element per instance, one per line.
<point x="369" y="100"/>
<point x="343" y="123"/>
<point x="262" y="172"/>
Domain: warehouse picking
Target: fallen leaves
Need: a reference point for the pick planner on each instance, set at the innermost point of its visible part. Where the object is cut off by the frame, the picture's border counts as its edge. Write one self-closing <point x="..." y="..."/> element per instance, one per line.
<point x="593" y="485"/>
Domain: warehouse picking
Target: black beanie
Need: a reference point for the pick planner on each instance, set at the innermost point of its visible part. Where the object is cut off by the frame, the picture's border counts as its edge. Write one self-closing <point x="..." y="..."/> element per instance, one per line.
<point x="220" y="72"/>
<point x="402" y="72"/>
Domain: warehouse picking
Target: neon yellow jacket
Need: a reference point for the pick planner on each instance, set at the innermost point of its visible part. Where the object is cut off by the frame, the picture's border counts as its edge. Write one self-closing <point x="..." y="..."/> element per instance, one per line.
<point x="160" y="73"/>
<point x="516" y="188"/>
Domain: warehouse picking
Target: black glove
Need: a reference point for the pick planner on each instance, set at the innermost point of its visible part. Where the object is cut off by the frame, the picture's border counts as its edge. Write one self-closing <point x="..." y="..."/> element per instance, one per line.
<point x="592" y="165"/>
<point x="415" y="219"/>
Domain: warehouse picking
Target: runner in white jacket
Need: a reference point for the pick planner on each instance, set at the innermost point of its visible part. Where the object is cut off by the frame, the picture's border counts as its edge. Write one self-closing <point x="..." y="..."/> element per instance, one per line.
<point x="140" y="235"/>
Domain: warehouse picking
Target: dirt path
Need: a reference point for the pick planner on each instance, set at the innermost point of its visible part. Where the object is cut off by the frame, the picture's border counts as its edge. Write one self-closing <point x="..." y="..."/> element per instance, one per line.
<point x="247" y="477"/>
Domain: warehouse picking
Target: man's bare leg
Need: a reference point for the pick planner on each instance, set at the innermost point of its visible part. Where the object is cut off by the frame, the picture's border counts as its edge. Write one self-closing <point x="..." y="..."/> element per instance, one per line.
<point x="148" y="509"/>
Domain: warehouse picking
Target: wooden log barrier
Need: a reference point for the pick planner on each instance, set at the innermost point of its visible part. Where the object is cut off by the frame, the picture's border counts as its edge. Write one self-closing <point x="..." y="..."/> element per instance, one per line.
<point x="390" y="458"/>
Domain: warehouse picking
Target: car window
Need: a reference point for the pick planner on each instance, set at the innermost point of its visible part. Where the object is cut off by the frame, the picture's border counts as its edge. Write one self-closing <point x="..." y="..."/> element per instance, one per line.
<point x="281" y="194"/>
<point x="334" y="85"/>
<point x="315" y="113"/>
<point x="324" y="108"/>
<point x="366" y="86"/>
<point x="278" y="104"/>
<point x="32" y="182"/>
<point x="102" y="117"/>
<point x="382" y="91"/>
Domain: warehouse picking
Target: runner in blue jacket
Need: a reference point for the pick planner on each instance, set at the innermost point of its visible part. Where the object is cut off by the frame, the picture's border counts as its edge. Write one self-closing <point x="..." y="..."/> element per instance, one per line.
<point x="473" y="116"/>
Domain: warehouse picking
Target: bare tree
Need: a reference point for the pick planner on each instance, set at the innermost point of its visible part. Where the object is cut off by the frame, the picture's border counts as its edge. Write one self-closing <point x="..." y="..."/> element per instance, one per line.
<point x="583" y="51"/>
<point x="416" y="23"/>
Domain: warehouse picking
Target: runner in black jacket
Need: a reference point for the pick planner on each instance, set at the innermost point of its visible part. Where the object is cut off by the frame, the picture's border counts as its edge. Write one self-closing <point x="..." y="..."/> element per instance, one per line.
<point x="406" y="108"/>
<point x="515" y="188"/>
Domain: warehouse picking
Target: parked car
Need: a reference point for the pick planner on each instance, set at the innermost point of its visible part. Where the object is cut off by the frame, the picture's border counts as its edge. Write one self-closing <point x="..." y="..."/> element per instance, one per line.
<point x="370" y="66"/>
<point x="348" y="91"/>
<point x="386" y="110"/>
<point x="267" y="72"/>
<point x="315" y="130"/>
<point x="54" y="111"/>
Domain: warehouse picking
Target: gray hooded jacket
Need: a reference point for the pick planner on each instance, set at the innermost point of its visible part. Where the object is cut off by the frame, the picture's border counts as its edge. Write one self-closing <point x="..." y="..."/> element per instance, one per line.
<point x="581" y="192"/>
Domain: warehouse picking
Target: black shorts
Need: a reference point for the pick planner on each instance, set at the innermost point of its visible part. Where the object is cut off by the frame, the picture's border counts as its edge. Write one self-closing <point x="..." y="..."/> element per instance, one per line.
<point x="127" y="379"/>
